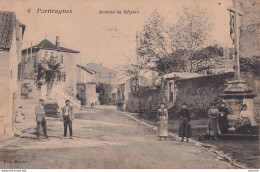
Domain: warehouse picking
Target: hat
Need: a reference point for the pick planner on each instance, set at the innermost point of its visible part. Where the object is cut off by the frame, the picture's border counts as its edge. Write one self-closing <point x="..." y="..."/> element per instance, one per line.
<point x="67" y="101"/>
<point x="244" y="105"/>
<point x="41" y="100"/>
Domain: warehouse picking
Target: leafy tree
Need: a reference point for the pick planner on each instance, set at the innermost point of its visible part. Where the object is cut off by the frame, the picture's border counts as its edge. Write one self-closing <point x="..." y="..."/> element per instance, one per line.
<point x="171" y="46"/>
<point x="104" y="91"/>
<point x="46" y="72"/>
<point x="191" y="31"/>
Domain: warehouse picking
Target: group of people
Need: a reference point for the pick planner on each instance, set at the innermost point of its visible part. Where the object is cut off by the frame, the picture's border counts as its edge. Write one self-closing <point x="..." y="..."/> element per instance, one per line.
<point x="67" y="116"/>
<point x="217" y="121"/>
<point x="184" y="127"/>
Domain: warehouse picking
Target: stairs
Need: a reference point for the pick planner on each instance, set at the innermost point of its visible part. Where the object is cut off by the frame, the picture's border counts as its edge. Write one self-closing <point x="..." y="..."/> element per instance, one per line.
<point x="60" y="95"/>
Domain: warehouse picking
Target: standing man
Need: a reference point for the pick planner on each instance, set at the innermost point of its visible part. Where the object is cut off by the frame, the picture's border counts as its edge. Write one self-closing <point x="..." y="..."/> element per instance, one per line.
<point x="67" y="117"/>
<point x="40" y="118"/>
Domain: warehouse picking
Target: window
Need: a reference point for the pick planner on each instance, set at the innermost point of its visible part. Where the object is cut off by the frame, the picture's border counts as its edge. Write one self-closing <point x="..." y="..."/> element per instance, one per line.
<point x="46" y="53"/>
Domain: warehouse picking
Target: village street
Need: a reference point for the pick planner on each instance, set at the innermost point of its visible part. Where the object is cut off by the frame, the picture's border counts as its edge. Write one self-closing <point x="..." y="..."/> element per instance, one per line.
<point x="103" y="138"/>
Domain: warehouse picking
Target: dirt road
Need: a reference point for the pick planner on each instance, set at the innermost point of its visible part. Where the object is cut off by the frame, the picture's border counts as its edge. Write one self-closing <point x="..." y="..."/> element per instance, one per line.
<point x="104" y="138"/>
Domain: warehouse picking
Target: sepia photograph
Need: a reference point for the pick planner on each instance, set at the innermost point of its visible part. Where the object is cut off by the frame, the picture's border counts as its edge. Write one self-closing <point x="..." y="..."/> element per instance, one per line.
<point x="129" y="84"/>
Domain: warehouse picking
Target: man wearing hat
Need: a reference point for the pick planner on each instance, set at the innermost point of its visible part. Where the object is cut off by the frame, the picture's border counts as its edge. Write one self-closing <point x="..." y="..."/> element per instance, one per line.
<point x="67" y="116"/>
<point x="40" y="118"/>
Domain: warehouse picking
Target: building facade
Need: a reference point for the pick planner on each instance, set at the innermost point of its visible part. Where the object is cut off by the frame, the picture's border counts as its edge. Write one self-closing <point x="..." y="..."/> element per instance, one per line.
<point x="68" y="59"/>
<point x="104" y="75"/>
<point x="11" y="34"/>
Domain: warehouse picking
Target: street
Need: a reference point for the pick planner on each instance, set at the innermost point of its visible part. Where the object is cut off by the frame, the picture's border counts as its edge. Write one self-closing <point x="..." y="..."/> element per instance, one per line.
<point x="103" y="138"/>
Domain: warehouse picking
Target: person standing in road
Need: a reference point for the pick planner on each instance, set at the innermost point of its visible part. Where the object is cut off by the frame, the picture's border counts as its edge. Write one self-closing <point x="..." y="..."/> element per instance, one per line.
<point x="223" y="119"/>
<point x="213" y="125"/>
<point x="67" y="117"/>
<point x="184" y="128"/>
<point x="40" y="118"/>
<point x="162" y="117"/>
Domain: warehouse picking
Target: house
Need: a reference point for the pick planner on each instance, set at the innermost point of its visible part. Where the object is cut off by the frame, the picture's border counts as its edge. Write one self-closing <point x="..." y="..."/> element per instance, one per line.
<point x="68" y="59"/>
<point x="11" y="34"/>
<point x="104" y="75"/>
<point x="127" y="92"/>
<point x="171" y="88"/>
<point x="86" y="87"/>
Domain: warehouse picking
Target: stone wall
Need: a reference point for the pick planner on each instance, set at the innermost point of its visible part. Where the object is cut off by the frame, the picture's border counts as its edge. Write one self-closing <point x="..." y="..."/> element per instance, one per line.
<point x="199" y="92"/>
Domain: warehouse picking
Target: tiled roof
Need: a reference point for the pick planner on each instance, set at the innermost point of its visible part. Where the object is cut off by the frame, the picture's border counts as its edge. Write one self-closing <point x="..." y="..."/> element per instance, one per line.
<point x="7" y="25"/>
<point x="86" y="69"/>
<point x="93" y="66"/>
<point x="47" y="45"/>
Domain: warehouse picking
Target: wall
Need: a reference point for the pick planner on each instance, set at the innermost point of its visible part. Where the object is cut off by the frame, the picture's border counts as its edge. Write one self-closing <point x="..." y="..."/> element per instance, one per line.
<point x="199" y="92"/>
<point x="9" y="98"/>
<point x="5" y="76"/>
<point x="250" y="29"/>
<point x="83" y="76"/>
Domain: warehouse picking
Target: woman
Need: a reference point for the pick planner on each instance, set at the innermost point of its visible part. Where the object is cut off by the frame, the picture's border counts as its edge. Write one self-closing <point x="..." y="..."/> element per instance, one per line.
<point x="245" y="122"/>
<point x="223" y="119"/>
<point x="213" y="126"/>
<point x="162" y="116"/>
<point x="184" y="128"/>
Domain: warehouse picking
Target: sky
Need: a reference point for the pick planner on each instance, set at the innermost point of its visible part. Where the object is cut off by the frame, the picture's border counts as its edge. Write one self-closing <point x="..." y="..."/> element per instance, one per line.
<point x="106" y="38"/>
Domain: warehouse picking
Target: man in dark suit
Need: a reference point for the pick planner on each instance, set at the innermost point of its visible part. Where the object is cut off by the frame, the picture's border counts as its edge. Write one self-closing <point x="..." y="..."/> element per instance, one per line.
<point x="40" y="118"/>
<point x="67" y="116"/>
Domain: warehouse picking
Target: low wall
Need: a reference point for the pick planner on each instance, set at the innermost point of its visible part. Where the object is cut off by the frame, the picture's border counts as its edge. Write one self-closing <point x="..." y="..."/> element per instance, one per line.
<point x="199" y="92"/>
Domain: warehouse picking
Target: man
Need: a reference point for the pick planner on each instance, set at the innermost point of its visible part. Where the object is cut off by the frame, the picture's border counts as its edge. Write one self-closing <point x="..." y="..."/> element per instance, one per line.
<point x="40" y="118"/>
<point x="67" y="116"/>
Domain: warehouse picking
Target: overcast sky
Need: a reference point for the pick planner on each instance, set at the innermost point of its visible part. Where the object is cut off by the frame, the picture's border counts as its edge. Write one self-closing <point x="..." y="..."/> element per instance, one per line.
<point x="105" y="38"/>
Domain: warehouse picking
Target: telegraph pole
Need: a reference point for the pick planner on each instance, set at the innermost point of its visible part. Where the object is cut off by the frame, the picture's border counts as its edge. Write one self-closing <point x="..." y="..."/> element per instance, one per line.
<point x="139" y="81"/>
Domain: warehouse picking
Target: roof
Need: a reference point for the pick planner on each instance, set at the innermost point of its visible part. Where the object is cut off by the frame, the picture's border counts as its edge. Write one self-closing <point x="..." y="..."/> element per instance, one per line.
<point x="97" y="65"/>
<point x="7" y="25"/>
<point x="181" y="75"/>
<point x="85" y="69"/>
<point x="48" y="45"/>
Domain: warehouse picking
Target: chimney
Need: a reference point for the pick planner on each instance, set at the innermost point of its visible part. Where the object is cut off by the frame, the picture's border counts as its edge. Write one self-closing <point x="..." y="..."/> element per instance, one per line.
<point x="57" y="41"/>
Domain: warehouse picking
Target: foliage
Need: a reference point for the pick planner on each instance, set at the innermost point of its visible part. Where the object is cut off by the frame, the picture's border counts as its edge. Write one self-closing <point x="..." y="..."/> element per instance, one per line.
<point x="104" y="91"/>
<point x="177" y="43"/>
<point x="46" y="71"/>
<point x="251" y="65"/>
<point x="26" y="89"/>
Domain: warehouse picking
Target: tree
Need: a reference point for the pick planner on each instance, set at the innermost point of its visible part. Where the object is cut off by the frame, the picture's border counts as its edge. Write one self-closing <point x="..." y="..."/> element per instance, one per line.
<point x="172" y="46"/>
<point x="104" y="91"/>
<point x="191" y="31"/>
<point x="153" y="39"/>
<point x="46" y="72"/>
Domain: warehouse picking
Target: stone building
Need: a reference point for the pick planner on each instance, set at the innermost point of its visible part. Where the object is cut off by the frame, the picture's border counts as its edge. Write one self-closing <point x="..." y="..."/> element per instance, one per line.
<point x="86" y="87"/>
<point x="11" y="34"/>
<point x="104" y="75"/>
<point x="68" y="59"/>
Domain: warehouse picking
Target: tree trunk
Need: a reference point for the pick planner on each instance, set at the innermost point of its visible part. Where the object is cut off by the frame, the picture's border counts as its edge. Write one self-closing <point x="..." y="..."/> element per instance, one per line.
<point x="39" y="91"/>
<point x="49" y="88"/>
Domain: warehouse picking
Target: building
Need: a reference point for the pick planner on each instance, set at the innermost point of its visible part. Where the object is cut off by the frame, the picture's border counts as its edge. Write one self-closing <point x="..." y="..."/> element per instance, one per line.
<point x="68" y="59"/>
<point x="127" y="91"/>
<point x="86" y="87"/>
<point x="11" y="34"/>
<point x="104" y="75"/>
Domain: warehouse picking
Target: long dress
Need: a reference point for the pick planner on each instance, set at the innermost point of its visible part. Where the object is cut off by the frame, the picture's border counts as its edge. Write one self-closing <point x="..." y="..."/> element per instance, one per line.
<point x="162" y="129"/>
<point x="184" y="127"/>
<point x="223" y="119"/>
<point x="213" y="126"/>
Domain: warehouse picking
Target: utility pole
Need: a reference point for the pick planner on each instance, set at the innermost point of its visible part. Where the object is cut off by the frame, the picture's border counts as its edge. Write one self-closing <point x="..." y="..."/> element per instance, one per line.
<point x="139" y="79"/>
<point x="237" y="13"/>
